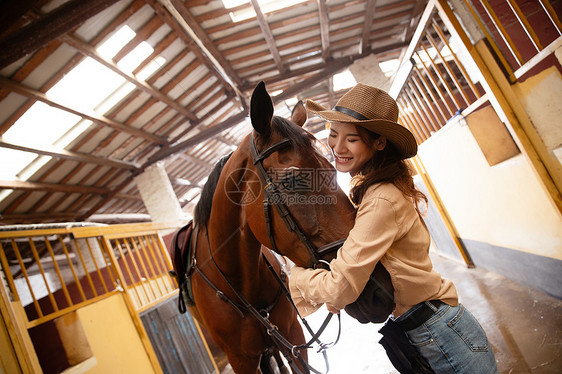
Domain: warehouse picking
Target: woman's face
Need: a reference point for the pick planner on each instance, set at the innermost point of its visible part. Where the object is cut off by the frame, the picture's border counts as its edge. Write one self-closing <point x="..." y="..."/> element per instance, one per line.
<point x="349" y="149"/>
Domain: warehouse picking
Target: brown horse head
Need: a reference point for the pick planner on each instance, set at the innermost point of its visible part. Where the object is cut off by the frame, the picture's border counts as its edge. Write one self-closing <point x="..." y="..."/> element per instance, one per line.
<point x="304" y="180"/>
<point x="232" y="230"/>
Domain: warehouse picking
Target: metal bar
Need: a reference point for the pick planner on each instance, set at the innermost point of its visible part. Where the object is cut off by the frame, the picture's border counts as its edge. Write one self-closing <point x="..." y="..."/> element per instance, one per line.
<point x="8" y="273"/>
<point x="79" y="250"/>
<point x="141" y="253"/>
<point x="449" y="70"/>
<point x="162" y="259"/>
<point x="24" y="272"/>
<point x="525" y="25"/>
<point x="71" y="265"/>
<point x="408" y="123"/>
<point x="57" y="269"/>
<point x="493" y="44"/>
<point x="419" y="81"/>
<point x="416" y="114"/>
<point x="42" y="271"/>
<point x="427" y="110"/>
<point x="456" y="59"/>
<point x="96" y="265"/>
<point x="552" y="15"/>
<point x="136" y="269"/>
<point x="168" y="261"/>
<point x="406" y="117"/>
<point x="439" y="74"/>
<point x="107" y="265"/>
<point x="436" y="87"/>
<point x="428" y="123"/>
<point x="150" y="263"/>
<point x="501" y="30"/>
<point x="128" y="270"/>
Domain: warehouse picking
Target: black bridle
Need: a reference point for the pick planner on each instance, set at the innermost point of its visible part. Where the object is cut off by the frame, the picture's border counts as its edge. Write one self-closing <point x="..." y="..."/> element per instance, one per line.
<point x="272" y="196"/>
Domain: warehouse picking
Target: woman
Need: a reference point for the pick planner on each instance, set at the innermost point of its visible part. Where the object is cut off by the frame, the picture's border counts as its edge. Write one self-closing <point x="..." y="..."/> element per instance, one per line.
<point x="368" y="143"/>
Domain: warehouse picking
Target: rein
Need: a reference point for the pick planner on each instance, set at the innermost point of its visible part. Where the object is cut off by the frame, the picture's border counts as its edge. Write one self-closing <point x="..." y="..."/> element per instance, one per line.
<point x="262" y="315"/>
<point x="272" y="197"/>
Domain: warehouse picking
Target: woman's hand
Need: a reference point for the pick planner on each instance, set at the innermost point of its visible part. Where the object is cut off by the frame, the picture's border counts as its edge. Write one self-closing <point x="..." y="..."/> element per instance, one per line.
<point x="332" y="309"/>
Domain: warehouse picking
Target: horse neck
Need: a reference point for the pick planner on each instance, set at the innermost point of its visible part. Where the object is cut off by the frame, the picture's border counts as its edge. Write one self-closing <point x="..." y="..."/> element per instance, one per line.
<point x="232" y="244"/>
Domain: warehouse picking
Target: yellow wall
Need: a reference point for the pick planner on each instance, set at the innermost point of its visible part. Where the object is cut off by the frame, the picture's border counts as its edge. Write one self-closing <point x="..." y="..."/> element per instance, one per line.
<point x="8" y="360"/>
<point x="540" y="96"/>
<point x="503" y="205"/>
<point x="113" y="338"/>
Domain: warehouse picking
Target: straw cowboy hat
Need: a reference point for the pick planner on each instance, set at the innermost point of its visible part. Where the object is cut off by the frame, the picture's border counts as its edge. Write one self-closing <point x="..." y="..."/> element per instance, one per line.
<point x="373" y="109"/>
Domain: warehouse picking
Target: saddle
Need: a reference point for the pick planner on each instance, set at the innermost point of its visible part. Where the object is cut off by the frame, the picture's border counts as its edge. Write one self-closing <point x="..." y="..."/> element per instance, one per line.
<point x="181" y="253"/>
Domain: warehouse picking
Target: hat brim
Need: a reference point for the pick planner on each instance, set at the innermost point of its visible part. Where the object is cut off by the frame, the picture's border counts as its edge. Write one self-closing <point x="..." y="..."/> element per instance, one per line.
<point x="397" y="134"/>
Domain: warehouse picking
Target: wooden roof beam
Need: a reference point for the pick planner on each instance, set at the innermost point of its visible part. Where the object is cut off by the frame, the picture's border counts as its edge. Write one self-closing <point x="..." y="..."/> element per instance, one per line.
<point x="48" y="27"/>
<point x="324" y="29"/>
<point x="12" y="11"/>
<point x="68" y="155"/>
<point x="94" y="117"/>
<point x="52" y="187"/>
<point x="208" y="52"/>
<point x="268" y="36"/>
<point x="365" y="44"/>
<point x="315" y="79"/>
<point x="90" y="51"/>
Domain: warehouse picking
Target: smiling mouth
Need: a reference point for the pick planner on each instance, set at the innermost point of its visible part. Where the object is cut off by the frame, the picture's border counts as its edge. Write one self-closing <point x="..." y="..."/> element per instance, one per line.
<point x="343" y="160"/>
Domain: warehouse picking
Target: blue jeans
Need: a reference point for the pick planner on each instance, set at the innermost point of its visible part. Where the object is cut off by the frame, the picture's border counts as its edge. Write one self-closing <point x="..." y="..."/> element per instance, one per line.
<point x="452" y="341"/>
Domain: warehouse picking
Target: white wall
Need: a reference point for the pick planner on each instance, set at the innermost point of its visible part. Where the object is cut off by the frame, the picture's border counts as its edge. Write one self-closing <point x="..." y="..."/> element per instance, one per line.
<point x="503" y="205"/>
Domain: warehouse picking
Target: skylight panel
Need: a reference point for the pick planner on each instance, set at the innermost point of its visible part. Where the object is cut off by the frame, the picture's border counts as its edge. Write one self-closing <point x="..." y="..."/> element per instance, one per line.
<point x="90" y="86"/>
<point x="114" y="44"/>
<point x="344" y="80"/>
<point x="110" y="101"/>
<point x="389" y="67"/>
<point x="17" y="161"/>
<point x="135" y="57"/>
<point x="41" y="125"/>
<point x="87" y="85"/>
<point x="267" y="6"/>
<point x="151" y="68"/>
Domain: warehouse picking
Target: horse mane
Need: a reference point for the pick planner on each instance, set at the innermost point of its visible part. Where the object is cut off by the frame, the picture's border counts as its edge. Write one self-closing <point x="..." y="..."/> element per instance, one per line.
<point x="202" y="210"/>
<point x="301" y="140"/>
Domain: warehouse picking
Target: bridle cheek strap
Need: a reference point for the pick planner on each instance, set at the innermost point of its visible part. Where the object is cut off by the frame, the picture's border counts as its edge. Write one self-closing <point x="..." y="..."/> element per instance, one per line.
<point x="273" y="197"/>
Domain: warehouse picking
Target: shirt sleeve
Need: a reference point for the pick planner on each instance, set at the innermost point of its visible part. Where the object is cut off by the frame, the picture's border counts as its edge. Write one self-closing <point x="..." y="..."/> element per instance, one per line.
<point x="374" y="232"/>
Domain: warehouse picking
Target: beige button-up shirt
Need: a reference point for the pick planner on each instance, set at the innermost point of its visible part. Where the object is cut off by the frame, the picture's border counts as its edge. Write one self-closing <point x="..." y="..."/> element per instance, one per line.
<point x="387" y="229"/>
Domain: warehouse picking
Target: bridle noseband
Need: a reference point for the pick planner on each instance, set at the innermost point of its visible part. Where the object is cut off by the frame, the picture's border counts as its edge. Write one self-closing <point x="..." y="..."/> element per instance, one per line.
<point x="272" y="196"/>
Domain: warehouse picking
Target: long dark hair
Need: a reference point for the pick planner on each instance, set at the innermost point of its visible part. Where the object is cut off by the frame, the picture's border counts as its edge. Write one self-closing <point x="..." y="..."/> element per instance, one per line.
<point x="386" y="166"/>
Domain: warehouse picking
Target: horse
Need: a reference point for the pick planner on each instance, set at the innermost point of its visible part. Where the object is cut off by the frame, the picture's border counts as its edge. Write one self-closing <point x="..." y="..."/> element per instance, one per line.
<point x="275" y="191"/>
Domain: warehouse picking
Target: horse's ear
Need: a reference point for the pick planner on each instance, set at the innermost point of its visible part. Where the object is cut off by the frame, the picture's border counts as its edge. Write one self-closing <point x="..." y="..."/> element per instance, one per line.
<point x="298" y="115"/>
<point x="261" y="110"/>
